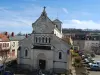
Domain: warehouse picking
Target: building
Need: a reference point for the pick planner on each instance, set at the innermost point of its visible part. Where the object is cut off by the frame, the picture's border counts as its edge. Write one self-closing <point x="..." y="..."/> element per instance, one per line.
<point x="87" y="42"/>
<point x="4" y="47"/>
<point x="44" y="48"/>
<point x="84" y="40"/>
<point x="14" y="44"/>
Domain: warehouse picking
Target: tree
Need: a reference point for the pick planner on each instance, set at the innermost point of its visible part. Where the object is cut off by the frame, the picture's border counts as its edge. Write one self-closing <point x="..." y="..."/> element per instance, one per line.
<point x="19" y="34"/>
<point x="4" y="59"/>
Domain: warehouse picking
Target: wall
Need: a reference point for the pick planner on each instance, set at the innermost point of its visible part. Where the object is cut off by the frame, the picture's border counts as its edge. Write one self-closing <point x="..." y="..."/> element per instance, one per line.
<point x="90" y="43"/>
<point x="60" y="46"/>
<point x="86" y="44"/>
<point x="14" y="46"/>
<point x="43" y="26"/>
<point x="57" y="33"/>
<point x="48" y="57"/>
<point x="25" y="44"/>
<point x="80" y="43"/>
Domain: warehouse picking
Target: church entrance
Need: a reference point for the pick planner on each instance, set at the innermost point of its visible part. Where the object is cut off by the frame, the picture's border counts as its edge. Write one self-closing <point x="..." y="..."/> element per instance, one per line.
<point x="42" y="64"/>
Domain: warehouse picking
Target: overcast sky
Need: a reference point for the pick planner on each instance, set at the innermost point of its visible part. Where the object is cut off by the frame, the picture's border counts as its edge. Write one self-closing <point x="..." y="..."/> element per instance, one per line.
<point x="18" y="15"/>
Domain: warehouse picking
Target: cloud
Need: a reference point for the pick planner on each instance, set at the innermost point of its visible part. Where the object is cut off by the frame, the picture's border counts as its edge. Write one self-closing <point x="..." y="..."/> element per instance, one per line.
<point x="65" y="10"/>
<point x="22" y="18"/>
<point x="18" y="20"/>
<point x="83" y="24"/>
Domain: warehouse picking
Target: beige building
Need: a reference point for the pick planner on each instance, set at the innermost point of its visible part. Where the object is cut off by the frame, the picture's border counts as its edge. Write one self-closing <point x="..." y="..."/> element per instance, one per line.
<point x="86" y="44"/>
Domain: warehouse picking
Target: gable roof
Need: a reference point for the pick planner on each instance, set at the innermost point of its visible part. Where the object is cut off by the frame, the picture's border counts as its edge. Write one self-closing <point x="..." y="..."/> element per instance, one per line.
<point x="45" y="15"/>
<point x="3" y="38"/>
<point x="57" y="20"/>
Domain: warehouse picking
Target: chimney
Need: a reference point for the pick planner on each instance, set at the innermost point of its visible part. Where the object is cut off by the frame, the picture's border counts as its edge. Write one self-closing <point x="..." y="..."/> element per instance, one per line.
<point x="12" y="34"/>
<point x="6" y="33"/>
<point x="8" y="36"/>
<point x="26" y="35"/>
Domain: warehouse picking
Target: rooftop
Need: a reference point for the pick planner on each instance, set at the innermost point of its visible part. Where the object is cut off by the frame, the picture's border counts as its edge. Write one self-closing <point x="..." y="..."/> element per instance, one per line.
<point x="16" y="38"/>
<point x="3" y="38"/>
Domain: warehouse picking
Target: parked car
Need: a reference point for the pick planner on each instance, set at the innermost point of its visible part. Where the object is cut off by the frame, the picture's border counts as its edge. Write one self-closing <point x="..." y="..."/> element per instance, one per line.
<point x="86" y="61"/>
<point x="90" y="63"/>
<point x="94" y="67"/>
<point x="8" y="73"/>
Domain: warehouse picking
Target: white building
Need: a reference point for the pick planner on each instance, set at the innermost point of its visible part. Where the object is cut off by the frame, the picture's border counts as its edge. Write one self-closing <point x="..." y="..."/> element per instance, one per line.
<point x="14" y="44"/>
<point x="86" y="44"/>
<point x="44" y="48"/>
<point x="4" y="47"/>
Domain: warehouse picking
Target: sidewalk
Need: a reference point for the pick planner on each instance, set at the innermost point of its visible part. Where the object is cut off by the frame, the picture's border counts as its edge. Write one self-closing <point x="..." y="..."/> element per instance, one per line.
<point x="73" y="68"/>
<point x="73" y="71"/>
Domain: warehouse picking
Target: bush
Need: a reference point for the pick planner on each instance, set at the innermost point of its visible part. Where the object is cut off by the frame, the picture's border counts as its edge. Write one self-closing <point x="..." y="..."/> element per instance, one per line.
<point x="75" y="54"/>
<point x="78" y="60"/>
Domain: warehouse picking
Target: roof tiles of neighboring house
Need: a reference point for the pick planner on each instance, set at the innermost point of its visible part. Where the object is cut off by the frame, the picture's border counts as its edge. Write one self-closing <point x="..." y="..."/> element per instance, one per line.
<point x="3" y="38"/>
<point x="16" y="38"/>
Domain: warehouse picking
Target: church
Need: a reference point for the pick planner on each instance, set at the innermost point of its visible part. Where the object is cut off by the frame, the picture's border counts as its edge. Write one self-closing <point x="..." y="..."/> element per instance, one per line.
<point x="44" y="48"/>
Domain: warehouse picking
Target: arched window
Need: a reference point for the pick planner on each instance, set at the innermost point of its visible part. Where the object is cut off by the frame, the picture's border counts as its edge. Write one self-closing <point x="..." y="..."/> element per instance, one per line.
<point x="39" y="39"/>
<point x="60" y="55"/>
<point x="19" y="48"/>
<point x="26" y="53"/>
<point x="43" y="39"/>
<point x="46" y="40"/>
<point x="49" y="40"/>
<point x="36" y="39"/>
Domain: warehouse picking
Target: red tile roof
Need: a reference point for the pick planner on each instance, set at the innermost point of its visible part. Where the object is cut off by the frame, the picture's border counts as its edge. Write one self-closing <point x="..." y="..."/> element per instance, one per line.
<point x="3" y="38"/>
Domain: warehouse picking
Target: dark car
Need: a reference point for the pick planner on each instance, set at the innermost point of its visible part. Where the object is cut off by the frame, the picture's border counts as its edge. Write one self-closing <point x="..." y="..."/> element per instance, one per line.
<point x="8" y="73"/>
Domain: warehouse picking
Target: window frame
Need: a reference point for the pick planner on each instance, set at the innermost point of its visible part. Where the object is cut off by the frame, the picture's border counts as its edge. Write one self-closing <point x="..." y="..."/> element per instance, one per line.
<point x="26" y="52"/>
<point x="60" y="55"/>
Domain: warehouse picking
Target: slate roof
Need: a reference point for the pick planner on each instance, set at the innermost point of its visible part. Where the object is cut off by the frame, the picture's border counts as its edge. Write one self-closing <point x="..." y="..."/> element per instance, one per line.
<point x="57" y="20"/>
<point x="16" y="38"/>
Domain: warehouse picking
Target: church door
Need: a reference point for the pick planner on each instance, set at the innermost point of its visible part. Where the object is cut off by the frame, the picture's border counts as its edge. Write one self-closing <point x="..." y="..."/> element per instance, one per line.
<point x="42" y="64"/>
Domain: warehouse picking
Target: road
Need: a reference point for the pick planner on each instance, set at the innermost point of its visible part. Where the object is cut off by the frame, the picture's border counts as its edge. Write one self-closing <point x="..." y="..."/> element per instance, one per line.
<point x="97" y="58"/>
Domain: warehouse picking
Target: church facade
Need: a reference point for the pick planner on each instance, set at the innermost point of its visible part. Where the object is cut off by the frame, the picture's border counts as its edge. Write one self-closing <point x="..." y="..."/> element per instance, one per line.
<point x="44" y="48"/>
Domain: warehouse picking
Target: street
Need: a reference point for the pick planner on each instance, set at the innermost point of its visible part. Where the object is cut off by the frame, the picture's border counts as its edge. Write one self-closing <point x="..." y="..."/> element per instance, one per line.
<point x="97" y="58"/>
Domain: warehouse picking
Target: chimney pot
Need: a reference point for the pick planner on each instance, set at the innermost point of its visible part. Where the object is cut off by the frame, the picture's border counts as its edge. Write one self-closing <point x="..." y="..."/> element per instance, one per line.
<point x="12" y="34"/>
<point x="26" y="35"/>
<point x="6" y="33"/>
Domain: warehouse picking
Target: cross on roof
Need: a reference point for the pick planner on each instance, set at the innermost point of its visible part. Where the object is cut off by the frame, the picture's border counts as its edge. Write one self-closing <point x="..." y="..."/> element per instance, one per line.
<point x="44" y="7"/>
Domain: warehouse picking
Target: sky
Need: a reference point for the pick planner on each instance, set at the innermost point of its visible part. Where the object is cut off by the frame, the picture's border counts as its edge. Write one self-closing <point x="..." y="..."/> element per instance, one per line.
<point x="18" y="15"/>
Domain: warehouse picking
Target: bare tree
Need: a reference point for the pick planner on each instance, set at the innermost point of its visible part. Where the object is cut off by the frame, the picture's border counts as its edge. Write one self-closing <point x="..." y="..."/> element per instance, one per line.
<point x="4" y="56"/>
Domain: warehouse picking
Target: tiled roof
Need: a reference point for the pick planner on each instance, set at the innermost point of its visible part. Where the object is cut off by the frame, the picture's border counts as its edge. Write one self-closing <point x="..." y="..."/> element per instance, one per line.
<point x="16" y="38"/>
<point x="3" y="38"/>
